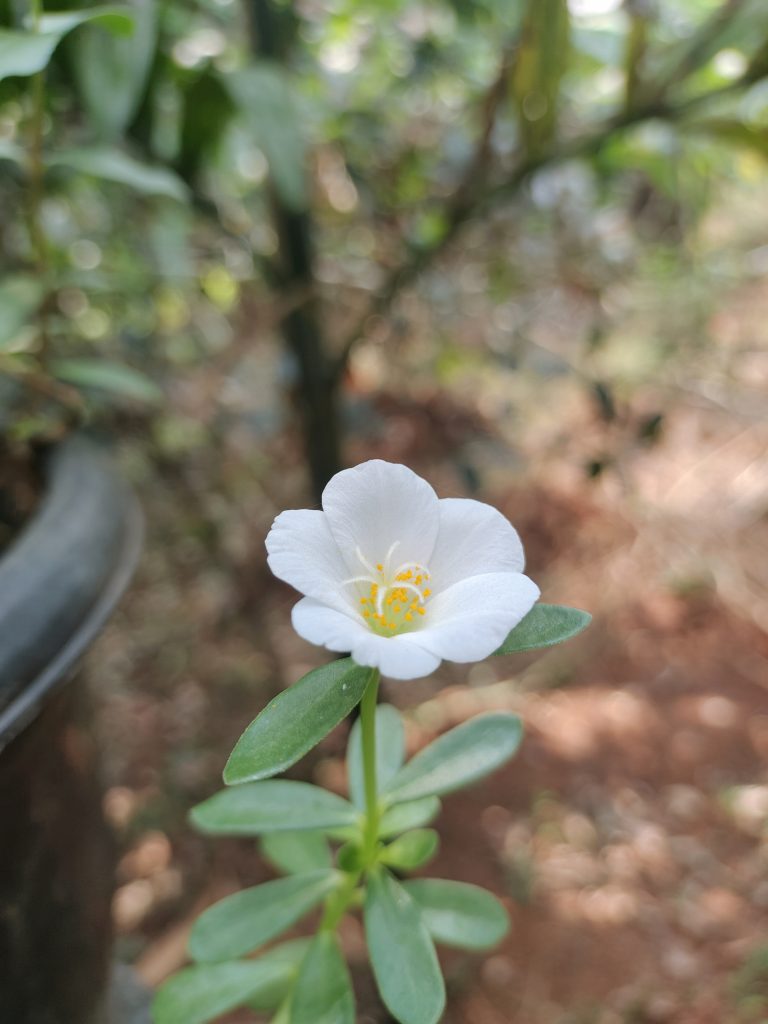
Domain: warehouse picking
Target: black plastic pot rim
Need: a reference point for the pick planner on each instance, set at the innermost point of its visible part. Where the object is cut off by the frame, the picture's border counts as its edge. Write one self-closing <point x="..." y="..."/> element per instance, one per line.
<point x="123" y="556"/>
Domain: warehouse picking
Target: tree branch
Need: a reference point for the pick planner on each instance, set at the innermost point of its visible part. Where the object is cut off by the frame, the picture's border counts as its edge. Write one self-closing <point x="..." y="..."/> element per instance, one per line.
<point x="699" y="46"/>
<point x="479" y="205"/>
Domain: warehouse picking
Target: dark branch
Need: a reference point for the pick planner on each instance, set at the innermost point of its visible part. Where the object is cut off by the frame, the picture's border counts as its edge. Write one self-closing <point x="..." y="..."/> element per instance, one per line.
<point x="480" y="204"/>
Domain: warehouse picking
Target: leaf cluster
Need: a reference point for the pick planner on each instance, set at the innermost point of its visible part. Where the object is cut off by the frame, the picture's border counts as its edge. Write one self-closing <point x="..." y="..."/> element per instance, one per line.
<point x="321" y="844"/>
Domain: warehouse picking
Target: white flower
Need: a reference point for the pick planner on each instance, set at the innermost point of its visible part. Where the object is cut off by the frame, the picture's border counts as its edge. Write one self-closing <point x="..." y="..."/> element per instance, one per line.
<point x="399" y="578"/>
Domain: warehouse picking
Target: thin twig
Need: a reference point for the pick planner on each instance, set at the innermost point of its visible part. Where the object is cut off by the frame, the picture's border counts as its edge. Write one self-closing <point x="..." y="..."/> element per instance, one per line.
<point x="458" y="209"/>
<point x="698" y="46"/>
<point x="44" y="384"/>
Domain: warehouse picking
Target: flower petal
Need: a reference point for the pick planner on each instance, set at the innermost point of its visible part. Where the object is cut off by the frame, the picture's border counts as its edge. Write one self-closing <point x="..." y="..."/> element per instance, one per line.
<point x="468" y="621"/>
<point x="473" y="539"/>
<point x="319" y="624"/>
<point x="301" y="551"/>
<point x="376" y="504"/>
<point x="397" y="657"/>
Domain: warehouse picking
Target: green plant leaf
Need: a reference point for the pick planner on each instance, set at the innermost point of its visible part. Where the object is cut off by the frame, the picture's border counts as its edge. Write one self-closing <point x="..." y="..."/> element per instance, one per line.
<point x="204" y="992"/>
<point x="411" y="850"/>
<point x="296" y="720"/>
<point x="110" y="164"/>
<point x="544" y="626"/>
<point x="246" y="920"/>
<point x="323" y="992"/>
<point x="350" y="857"/>
<point x="114" y="18"/>
<point x="411" y="814"/>
<point x="390" y="752"/>
<point x="112" y="72"/>
<point x="277" y="805"/>
<point x="27" y="53"/>
<point x="295" y="853"/>
<point x="20" y="298"/>
<point x="114" y="377"/>
<point x="264" y="94"/>
<point x="459" y="757"/>
<point x="459" y="914"/>
<point x="402" y="955"/>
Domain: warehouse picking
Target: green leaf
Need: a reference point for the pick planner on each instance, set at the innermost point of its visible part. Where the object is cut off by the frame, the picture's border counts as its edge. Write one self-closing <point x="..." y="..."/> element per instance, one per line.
<point x="458" y="914"/>
<point x="97" y="373"/>
<point x="27" y="53"/>
<point x="22" y="53"/>
<point x="544" y="626"/>
<point x="264" y="94"/>
<point x="113" y="165"/>
<point x="277" y="805"/>
<point x="295" y="853"/>
<point x="246" y="920"/>
<point x="459" y="758"/>
<point x="411" y="850"/>
<point x="115" y="19"/>
<point x="112" y="73"/>
<point x="296" y="720"/>
<point x="202" y="993"/>
<point x="350" y="857"/>
<point x="390" y="752"/>
<point x="20" y="298"/>
<point x="411" y="814"/>
<point x="402" y="955"/>
<point x="323" y="992"/>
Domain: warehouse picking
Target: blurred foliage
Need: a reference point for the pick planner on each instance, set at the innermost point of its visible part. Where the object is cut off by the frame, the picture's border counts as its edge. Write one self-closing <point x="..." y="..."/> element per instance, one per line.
<point x="165" y="170"/>
<point x="749" y="986"/>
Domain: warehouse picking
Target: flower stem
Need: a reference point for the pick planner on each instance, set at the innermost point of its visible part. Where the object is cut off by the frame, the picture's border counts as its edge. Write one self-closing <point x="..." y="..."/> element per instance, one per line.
<point x="368" y="727"/>
<point x="339" y="901"/>
<point x="337" y="904"/>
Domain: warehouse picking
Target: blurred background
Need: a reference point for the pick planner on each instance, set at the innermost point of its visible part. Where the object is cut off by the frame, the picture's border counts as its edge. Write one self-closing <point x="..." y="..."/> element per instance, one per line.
<point x="520" y="246"/>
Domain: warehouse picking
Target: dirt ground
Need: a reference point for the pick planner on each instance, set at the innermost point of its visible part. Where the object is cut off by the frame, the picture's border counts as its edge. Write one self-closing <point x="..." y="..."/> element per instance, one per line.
<point x="628" y="836"/>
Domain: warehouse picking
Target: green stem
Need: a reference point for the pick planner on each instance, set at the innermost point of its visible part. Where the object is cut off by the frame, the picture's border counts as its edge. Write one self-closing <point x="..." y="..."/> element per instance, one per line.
<point x="339" y="901"/>
<point x="337" y="905"/>
<point x="368" y="727"/>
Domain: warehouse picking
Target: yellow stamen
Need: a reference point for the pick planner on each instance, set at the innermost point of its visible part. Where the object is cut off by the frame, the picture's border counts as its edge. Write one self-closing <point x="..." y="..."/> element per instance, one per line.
<point x="393" y="596"/>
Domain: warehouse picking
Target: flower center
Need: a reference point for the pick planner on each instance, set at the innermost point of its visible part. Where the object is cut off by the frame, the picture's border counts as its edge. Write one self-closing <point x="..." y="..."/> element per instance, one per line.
<point x="392" y="600"/>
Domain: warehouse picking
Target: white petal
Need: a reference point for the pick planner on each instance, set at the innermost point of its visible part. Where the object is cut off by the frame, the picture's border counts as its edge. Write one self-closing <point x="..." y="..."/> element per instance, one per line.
<point x="320" y="624"/>
<point x="469" y="621"/>
<point x="301" y="550"/>
<point x="397" y="657"/>
<point x="473" y="539"/>
<point x="377" y="504"/>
